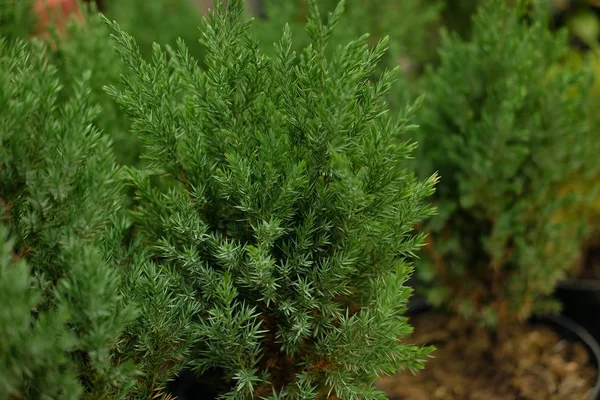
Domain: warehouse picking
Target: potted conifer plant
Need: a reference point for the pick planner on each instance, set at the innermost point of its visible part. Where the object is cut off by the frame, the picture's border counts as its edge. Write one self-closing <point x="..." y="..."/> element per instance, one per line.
<point x="274" y="222"/>
<point x="579" y="293"/>
<point x="62" y="309"/>
<point x="505" y="125"/>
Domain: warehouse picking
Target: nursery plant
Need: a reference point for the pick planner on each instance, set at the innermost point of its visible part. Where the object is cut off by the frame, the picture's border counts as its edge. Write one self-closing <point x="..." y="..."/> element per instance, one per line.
<point x="277" y="212"/>
<point x="62" y="310"/>
<point x="506" y="125"/>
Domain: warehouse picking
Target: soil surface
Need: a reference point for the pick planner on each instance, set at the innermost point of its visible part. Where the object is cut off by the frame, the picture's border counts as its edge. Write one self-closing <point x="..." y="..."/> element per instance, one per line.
<point x="531" y="363"/>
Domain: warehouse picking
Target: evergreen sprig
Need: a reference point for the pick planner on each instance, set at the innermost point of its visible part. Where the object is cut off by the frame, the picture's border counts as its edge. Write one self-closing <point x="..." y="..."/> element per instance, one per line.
<point x="276" y="209"/>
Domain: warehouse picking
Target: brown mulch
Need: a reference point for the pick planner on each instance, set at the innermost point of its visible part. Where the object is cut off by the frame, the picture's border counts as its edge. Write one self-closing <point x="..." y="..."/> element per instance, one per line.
<point x="531" y="363"/>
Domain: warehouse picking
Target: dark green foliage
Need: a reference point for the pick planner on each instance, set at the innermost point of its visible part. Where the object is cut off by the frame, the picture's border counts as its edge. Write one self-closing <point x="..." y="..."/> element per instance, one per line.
<point x="457" y="15"/>
<point x="57" y="168"/>
<point x="26" y="353"/>
<point x="281" y="231"/>
<point x="16" y="19"/>
<point x="86" y="47"/>
<point x="58" y="193"/>
<point x="506" y="126"/>
<point x="60" y="350"/>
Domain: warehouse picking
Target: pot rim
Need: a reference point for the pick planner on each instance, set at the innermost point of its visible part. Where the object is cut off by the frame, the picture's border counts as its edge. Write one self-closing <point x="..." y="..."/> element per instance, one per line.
<point x="579" y="284"/>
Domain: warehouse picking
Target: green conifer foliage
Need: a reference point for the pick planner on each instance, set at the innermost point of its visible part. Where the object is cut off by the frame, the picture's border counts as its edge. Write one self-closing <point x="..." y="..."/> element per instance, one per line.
<point x="16" y="19"/>
<point x="506" y="126"/>
<point x="80" y="44"/>
<point x="86" y="47"/>
<point x="410" y="25"/>
<point x="58" y="192"/>
<point x="282" y="233"/>
<point x="26" y="354"/>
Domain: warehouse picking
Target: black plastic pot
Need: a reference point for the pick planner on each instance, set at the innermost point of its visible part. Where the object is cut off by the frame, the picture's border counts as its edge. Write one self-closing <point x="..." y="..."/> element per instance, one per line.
<point x="561" y="324"/>
<point x="572" y="331"/>
<point x="187" y="386"/>
<point x="581" y="302"/>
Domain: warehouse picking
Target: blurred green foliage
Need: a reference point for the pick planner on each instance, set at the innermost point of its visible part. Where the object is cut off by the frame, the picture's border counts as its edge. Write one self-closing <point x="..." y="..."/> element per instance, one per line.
<point x="507" y="125"/>
<point x="160" y="21"/>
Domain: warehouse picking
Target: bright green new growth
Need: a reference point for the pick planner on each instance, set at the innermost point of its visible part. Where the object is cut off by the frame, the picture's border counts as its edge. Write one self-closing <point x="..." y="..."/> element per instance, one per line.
<point x="505" y="125"/>
<point x="58" y="193"/>
<point x="282" y="229"/>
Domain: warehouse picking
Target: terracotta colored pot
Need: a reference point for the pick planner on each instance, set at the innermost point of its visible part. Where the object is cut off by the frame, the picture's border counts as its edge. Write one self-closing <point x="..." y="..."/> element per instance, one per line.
<point x="57" y="11"/>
